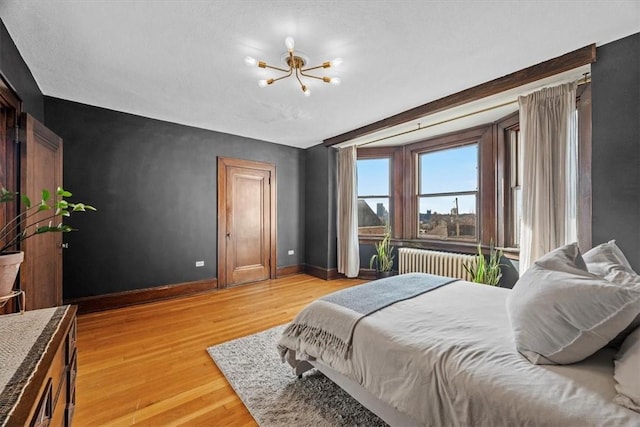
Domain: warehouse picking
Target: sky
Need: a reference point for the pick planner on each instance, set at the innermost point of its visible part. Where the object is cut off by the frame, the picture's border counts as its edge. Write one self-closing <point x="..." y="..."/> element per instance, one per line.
<point x="443" y="171"/>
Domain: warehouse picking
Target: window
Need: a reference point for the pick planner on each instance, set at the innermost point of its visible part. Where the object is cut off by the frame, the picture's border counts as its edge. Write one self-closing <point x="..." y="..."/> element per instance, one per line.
<point x="448" y="193"/>
<point x="374" y="200"/>
<point x="453" y="191"/>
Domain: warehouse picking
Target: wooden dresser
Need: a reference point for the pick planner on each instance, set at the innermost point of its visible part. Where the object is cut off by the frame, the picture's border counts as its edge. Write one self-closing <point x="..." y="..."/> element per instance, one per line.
<point x="37" y="379"/>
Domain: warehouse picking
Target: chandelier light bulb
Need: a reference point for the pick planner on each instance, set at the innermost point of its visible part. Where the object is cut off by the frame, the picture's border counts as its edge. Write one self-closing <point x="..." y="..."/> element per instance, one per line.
<point x="250" y="61"/>
<point x="262" y="83"/>
<point x="306" y="91"/>
<point x="335" y="81"/>
<point x="289" y="43"/>
<point x="336" y="62"/>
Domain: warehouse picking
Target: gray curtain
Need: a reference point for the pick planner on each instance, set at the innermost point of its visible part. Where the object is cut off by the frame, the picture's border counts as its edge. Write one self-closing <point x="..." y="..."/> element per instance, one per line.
<point x="548" y="125"/>
<point x="347" y="218"/>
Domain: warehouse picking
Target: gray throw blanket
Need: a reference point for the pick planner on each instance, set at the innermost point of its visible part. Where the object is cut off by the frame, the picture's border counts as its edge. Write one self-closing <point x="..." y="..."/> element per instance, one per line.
<point x="324" y="329"/>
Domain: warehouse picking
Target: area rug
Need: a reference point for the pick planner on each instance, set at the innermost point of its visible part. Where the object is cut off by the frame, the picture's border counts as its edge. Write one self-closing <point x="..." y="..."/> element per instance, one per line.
<point x="275" y="397"/>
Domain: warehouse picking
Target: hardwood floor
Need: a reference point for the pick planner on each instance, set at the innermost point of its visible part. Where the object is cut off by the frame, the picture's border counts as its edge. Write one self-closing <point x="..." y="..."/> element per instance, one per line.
<point x="148" y="365"/>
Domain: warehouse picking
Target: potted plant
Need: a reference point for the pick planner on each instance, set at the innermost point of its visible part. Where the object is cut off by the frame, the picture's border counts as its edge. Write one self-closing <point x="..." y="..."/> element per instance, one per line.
<point x="24" y="226"/>
<point x="486" y="271"/>
<point x="383" y="258"/>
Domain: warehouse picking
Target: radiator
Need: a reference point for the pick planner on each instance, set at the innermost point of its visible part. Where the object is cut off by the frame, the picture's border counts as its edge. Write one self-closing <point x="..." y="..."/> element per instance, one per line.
<point x="434" y="262"/>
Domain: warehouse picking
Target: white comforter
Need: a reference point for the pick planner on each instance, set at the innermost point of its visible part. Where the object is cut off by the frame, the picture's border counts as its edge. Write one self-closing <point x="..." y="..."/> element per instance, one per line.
<point x="447" y="358"/>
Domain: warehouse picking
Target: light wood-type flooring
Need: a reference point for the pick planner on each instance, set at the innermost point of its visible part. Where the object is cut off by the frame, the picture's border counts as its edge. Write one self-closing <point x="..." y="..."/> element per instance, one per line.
<point x="147" y="364"/>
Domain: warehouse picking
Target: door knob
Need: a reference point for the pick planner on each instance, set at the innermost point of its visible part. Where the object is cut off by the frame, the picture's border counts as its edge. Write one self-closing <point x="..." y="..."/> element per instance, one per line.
<point x="64" y="245"/>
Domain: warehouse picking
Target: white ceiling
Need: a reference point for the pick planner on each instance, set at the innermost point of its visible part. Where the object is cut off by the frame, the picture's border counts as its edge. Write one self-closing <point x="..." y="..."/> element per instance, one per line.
<point x="182" y="61"/>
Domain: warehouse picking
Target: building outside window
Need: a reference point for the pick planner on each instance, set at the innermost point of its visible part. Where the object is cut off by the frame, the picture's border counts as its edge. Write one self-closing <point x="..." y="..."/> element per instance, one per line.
<point x="374" y="200"/>
<point x="448" y="194"/>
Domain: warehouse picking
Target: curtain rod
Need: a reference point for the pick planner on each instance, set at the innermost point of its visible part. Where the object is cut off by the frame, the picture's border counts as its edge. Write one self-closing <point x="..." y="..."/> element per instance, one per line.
<point x="584" y="80"/>
<point x="439" y="123"/>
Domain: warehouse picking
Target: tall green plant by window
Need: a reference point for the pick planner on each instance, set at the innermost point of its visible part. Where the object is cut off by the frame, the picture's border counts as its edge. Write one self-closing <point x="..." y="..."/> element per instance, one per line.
<point x="384" y="253"/>
<point x="483" y="270"/>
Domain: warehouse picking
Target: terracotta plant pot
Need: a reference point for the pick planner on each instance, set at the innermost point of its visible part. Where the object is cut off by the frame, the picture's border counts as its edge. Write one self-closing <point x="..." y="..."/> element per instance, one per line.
<point x="9" y="266"/>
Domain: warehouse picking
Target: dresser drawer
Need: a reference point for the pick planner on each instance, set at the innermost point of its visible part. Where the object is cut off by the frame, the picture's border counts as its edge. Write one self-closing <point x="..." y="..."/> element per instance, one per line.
<point x="52" y="403"/>
<point x="44" y="391"/>
<point x="71" y="340"/>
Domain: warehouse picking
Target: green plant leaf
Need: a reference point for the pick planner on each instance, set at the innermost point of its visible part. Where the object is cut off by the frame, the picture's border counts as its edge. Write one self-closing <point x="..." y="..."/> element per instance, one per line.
<point x="485" y="269"/>
<point x="63" y="193"/>
<point x="44" y="229"/>
<point x="81" y="207"/>
<point x="374" y="257"/>
<point x="21" y="226"/>
<point x="65" y="228"/>
<point x="384" y="253"/>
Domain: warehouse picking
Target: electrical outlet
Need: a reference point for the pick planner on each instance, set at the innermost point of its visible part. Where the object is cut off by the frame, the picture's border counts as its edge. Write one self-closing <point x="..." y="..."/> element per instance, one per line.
<point x="291" y="252"/>
<point x="199" y="263"/>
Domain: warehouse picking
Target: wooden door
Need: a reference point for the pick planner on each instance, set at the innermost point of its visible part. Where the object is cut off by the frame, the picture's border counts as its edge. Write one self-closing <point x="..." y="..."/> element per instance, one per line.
<point x="246" y="221"/>
<point x="40" y="168"/>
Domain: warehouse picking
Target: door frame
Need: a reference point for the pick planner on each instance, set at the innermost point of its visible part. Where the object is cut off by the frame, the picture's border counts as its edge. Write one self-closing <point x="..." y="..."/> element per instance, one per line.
<point x="11" y="106"/>
<point x="223" y="163"/>
<point x="9" y="144"/>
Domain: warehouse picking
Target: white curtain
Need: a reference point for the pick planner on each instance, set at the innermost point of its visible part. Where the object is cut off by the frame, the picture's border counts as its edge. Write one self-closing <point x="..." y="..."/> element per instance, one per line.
<point x="548" y="126"/>
<point x="347" y="221"/>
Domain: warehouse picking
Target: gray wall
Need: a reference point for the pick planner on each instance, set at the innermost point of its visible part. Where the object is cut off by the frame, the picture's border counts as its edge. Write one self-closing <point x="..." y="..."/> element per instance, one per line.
<point x="16" y="73"/>
<point x="320" y="200"/>
<point x="155" y="186"/>
<point x="306" y="196"/>
<point x="616" y="146"/>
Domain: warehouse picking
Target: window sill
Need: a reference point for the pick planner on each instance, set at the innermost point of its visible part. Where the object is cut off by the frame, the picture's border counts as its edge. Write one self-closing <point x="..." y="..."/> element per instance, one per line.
<point x="441" y="245"/>
<point x="511" y="253"/>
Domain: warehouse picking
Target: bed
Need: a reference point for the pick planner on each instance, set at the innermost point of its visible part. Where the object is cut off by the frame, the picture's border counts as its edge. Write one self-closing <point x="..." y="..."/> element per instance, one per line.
<point x="446" y="356"/>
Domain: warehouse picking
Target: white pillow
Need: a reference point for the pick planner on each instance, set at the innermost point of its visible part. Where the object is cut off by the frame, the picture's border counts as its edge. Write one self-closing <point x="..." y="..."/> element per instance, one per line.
<point x="627" y="372"/>
<point x="607" y="259"/>
<point x="560" y="313"/>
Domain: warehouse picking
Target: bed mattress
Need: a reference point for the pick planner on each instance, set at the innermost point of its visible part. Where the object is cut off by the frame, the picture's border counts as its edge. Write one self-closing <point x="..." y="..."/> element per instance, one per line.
<point x="447" y="357"/>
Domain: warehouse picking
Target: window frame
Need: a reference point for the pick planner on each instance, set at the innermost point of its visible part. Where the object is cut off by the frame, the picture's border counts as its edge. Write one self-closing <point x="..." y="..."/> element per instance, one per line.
<point x="420" y="195"/>
<point x="394" y="154"/>
<point x="379" y="196"/>
<point x="505" y="227"/>
<point x="485" y="199"/>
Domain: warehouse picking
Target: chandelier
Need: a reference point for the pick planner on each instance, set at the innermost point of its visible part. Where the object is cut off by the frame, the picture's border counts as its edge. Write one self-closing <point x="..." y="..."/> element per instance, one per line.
<point x="296" y="63"/>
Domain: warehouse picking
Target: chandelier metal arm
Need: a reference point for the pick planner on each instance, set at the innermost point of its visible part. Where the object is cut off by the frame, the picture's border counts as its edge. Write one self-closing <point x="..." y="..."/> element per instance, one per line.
<point x="265" y="65"/>
<point x="324" y="65"/>
<point x="304" y="88"/>
<point x="325" y="79"/>
<point x="289" y="73"/>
